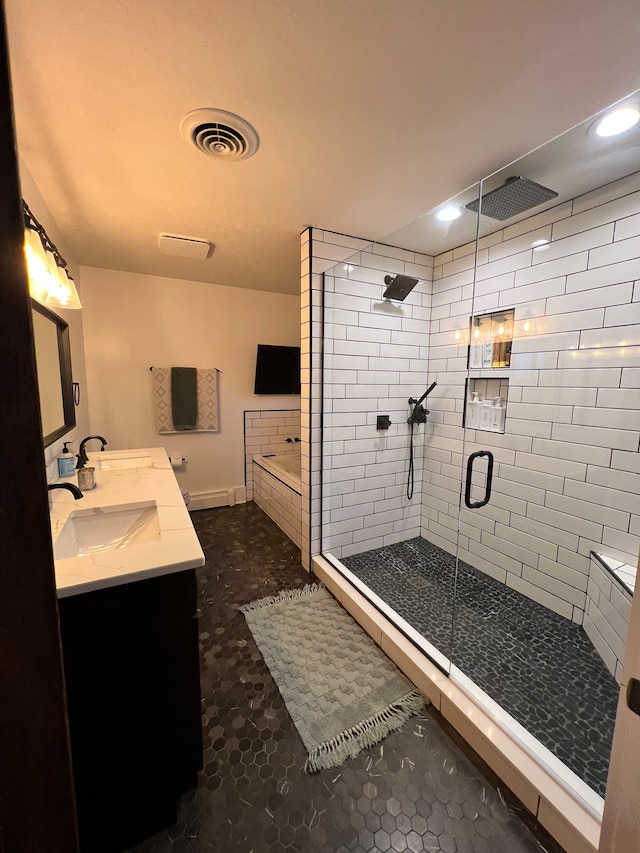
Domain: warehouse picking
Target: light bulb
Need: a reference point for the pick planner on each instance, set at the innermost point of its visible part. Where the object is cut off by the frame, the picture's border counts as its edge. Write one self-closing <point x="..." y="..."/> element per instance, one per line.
<point x="476" y="332"/>
<point x="526" y="326"/>
<point x="501" y="330"/>
<point x="63" y="293"/>
<point x="618" y="121"/>
<point x="448" y="213"/>
<point x="37" y="268"/>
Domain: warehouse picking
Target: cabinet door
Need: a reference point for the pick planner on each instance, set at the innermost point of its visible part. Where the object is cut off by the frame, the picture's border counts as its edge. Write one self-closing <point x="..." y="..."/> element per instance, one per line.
<point x="131" y="666"/>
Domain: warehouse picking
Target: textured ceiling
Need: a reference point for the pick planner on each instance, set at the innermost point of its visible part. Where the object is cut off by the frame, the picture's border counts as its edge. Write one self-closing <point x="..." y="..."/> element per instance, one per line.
<point x="369" y="113"/>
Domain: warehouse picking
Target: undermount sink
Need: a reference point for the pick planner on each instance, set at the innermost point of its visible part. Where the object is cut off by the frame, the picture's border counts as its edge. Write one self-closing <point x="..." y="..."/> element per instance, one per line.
<point x="117" y="461"/>
<point x="91" y="531"/>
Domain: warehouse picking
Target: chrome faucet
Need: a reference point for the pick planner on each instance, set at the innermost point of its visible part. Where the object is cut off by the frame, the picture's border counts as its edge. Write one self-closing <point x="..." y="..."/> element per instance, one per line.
<point x="70" y="487"/>
<point x="82" y="454"/>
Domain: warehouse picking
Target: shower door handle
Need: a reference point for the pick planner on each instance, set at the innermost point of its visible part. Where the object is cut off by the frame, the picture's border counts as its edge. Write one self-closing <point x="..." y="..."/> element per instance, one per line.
<point x="467" y="492"/>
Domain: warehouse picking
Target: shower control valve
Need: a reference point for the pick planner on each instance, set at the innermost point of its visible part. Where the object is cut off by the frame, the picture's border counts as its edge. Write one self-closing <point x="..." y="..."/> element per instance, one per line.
<point x="383" y="422"/>
<point x="419" y="413"/>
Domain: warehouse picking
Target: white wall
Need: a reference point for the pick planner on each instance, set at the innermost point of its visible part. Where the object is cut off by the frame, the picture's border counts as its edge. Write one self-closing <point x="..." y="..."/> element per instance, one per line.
<point x="133" y="322"/>
<point x="31" y="194"/>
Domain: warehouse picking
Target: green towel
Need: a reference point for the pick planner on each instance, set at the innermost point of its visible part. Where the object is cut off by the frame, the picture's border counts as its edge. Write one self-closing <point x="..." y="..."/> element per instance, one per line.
<point x="184" y="397"/>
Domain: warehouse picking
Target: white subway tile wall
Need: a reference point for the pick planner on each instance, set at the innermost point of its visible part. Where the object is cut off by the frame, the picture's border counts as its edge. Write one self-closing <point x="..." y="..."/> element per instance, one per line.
<point x="567" y="467"/>
<point x="267" y="431"/>
<point x="606" y="620"/>
<point x="375" y="359"/>
<point x="281" y="503"/>
<point x="319" y="251"/>
<point x="568" y="462"/>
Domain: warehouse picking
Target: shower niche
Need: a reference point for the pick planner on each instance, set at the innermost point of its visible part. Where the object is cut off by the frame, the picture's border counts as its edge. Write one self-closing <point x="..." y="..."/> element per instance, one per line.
<point x="485" y="406"/>
<point x="490" y="340"/>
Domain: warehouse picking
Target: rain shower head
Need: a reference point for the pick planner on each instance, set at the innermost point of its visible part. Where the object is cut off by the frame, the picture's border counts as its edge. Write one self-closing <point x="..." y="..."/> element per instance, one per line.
<point x="399" y="286"/>
<point x="515" y="196"/>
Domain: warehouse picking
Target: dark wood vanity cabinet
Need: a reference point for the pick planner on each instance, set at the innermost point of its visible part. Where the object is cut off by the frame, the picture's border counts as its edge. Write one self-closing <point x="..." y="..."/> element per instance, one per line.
<point x="133" y="693"/>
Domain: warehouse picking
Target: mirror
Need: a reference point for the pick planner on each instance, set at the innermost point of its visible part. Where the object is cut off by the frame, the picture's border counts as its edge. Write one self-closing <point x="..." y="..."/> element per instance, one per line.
<point x="53" y="363"/>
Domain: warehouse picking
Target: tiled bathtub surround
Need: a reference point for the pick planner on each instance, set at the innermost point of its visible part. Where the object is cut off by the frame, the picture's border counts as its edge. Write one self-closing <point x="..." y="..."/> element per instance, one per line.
<point x="277" y="492"/>
<point x="267" y="431"/>
<point x="608" y="611"/>
<point x="539" y="667"/>
<point x="568" y="472"/>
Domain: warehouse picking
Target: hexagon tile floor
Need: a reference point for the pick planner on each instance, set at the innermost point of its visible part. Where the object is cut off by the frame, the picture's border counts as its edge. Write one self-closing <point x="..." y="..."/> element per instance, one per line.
<point x="422" y="789"/>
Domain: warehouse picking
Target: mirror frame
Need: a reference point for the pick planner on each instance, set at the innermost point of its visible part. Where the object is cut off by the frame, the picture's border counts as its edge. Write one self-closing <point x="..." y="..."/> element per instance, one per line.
<point x="66" y="379"/>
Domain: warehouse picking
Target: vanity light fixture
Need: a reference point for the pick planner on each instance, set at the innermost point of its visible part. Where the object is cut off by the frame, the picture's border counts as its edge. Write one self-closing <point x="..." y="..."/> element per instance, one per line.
<point x="448" y="213"/>
<point x="617" y="121"/>
<point x="49" y="280"/>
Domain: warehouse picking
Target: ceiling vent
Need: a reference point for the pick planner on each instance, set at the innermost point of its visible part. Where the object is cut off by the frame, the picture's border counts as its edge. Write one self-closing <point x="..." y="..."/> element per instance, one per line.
<point x="185" y="247"/>
<point x="220" y="134"/>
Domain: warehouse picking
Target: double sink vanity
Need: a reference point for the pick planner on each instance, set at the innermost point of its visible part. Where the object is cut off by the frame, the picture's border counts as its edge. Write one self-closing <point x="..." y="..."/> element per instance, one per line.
<point x="125" y="558"/>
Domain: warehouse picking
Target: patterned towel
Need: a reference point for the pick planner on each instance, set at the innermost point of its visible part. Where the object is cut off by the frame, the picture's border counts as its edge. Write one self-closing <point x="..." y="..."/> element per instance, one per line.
<point x="207" y="400"/>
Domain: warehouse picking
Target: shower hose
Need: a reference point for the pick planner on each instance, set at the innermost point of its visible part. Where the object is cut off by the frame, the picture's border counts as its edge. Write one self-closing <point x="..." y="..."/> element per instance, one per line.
<point x="410" y="474"/>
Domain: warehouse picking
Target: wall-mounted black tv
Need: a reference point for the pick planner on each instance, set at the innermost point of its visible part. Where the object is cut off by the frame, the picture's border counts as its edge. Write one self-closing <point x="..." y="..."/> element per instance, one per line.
<point x="277" y="370"/>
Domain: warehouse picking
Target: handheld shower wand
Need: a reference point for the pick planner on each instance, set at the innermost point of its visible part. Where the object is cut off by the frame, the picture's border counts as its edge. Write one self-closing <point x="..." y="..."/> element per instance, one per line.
<point x="417" y="416"/>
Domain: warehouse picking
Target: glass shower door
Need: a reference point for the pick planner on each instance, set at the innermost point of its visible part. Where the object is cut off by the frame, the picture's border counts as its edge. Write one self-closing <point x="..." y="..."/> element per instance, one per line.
<point x="544" y="580"/>
<point x="377" y="387"/>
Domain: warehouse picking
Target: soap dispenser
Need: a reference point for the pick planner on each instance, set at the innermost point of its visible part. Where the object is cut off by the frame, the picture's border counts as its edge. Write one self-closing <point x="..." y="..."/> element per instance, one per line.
<point x="473" y="413"/>
<point x="485" y="415"/>
<point x="498" y="413"/>
<point x="66" y="466"/>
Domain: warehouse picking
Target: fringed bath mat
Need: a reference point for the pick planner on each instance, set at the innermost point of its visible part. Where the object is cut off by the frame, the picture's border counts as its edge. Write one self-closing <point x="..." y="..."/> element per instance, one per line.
<point x="342" y="692"/>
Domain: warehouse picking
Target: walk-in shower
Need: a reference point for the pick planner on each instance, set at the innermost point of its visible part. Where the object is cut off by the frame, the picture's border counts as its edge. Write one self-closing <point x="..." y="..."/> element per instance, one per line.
<point x="490" y="531"/>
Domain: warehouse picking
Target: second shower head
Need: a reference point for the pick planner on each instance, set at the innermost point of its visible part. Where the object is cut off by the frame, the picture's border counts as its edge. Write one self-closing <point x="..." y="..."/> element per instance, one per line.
<point x="399" y="286"/>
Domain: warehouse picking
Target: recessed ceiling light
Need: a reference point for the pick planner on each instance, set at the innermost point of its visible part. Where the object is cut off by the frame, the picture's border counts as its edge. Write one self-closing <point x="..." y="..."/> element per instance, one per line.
<point x="448" y="213"/>
<point x="618" y="121"/>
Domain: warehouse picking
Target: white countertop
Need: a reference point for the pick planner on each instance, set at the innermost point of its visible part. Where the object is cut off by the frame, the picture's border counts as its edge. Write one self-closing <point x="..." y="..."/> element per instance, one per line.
<point x="175" y="549"/>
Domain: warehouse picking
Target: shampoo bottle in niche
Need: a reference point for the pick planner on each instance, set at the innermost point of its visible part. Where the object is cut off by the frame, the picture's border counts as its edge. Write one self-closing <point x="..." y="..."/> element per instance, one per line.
<point x="66" y="462"/>
<point x="487" y="353"/>
<point x="475" y="354"/>
<point x="498" y="413"/>
<point x="485" y="415"/>
<point x="473" y="414"/>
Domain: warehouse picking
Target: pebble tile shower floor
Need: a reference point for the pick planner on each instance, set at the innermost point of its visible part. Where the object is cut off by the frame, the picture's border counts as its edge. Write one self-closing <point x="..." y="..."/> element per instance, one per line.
<point x="537" y="665"/>
<point x="423" y="789"/>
